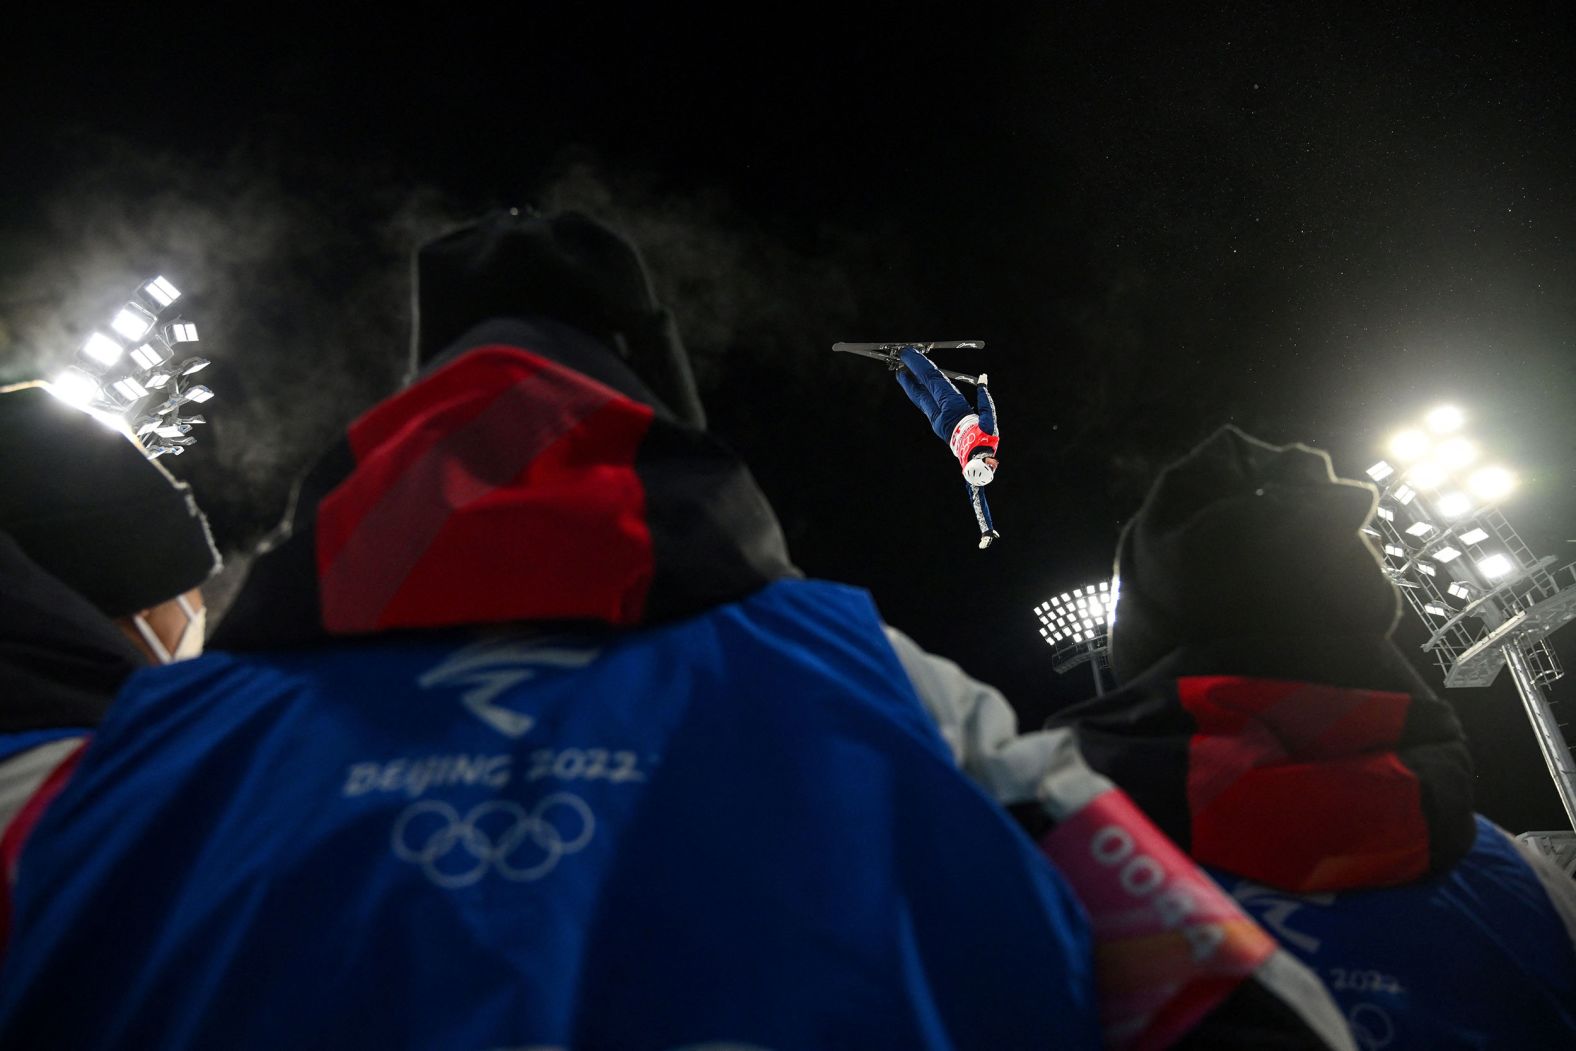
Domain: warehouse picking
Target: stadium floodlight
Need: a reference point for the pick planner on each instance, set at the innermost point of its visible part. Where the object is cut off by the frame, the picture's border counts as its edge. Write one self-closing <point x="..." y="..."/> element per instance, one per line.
<point x="1492" y="483"/>
<point x="153" y="353"/>
<point x="161" y="292"/>
<point x="132" y="322"/>
<point x="1075" y="624"/>
<point x="1395" y="550"/>
<point x="1427" y="474"/>
<point x="1385" y="513"/>
<point x="1511" y="599"/>
<point x="1456" y="453"/>
<point x="129" y="390"/>
<point x="1495" y="566"/>
<point x="1380" y="471"/>
<point x="75" y="387"/>
<point x="112" y="383"/>
<point x="1419" y="529"/>
<point x="1436" y="609"/>
<point x="103" y="350"/>
<point x="1444" y="419"/>
<point x="172" y="430"/>
<point x="1409" y="445"/>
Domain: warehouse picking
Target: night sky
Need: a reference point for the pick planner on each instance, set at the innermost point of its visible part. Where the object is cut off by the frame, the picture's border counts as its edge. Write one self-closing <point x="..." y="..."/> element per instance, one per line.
<point x="1314" y="226"/>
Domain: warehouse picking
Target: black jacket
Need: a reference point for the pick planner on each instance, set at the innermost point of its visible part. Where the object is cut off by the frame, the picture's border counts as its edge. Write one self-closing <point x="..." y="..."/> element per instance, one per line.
<point x="61" y="660"/>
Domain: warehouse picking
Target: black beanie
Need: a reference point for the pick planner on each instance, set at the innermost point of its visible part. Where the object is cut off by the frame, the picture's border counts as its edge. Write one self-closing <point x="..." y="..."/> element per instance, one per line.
<point x="1241" y="539"/>
<point x="567" y="268"/>
<point x="85" y="504"/>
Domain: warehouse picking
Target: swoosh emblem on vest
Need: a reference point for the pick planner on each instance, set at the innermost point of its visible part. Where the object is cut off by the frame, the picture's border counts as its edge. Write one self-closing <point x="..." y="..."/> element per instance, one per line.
<point x="492" y="666"/>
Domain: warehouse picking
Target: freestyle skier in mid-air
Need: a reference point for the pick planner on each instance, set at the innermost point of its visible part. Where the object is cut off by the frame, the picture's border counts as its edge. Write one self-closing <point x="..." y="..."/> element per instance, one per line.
<point x="971" y="434"/>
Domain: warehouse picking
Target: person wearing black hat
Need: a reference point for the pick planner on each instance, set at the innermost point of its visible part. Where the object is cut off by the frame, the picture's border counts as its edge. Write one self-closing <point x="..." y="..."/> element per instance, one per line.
<point x="532" y="735"/>
<point x="101" y="557"/>
<point x="1268" y="724"/>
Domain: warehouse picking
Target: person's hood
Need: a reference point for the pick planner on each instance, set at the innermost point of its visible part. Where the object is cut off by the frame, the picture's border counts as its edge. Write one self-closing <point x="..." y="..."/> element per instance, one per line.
<point x="1316" y="764"/>
<point x="527" y="477"/>
<point x="1240" y="537"/>
<point x="61" y="660"/>
<point x="87" y="505"/>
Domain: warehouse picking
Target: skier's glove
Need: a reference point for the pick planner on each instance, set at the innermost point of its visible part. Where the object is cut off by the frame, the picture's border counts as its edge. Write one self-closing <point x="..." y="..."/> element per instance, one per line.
<point x="971" y="435"/>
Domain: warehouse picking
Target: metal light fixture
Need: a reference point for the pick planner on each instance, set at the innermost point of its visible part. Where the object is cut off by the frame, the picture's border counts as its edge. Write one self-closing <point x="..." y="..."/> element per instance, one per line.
<point x="1492" y="483"/>
<point x="1409" y="445"/>
<point x="102" y="350"/>
<point x="1495" y="566"/>
<point x="1511" y="600"/>
<point x="115" y="376"/>
<point x="1453" y="504"/>
<point x="1444" y="419"/>
<point x="1456" y="453"/>
<point x="1076" y="625"/>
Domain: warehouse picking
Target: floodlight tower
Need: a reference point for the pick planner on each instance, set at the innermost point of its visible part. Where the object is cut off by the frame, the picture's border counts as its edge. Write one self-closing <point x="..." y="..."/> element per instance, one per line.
<point x="1486" y="599"/>
<point x="1077" y="624"/>
<point x="132" y="380"/>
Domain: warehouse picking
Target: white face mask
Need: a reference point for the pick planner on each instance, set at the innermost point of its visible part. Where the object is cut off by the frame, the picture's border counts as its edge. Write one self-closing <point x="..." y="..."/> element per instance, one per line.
<point x="190" y="643"/>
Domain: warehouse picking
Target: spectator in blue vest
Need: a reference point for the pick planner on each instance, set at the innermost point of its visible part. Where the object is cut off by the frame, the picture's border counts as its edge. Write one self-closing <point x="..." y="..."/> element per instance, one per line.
<point x="1268" y="724"/>
<point x="531" y="735"/>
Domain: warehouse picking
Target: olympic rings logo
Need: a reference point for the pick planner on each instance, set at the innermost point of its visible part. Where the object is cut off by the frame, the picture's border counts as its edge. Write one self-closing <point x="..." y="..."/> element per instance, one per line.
<point x="499" y="834"/>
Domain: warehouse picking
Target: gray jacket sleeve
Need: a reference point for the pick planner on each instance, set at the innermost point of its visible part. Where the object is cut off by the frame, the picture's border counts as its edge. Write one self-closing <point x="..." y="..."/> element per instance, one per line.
<point x="982" y="730"/>
<point x="1560" y="887"/>
<point x="1282" y="1005"/>
<point x="22" y="774"/>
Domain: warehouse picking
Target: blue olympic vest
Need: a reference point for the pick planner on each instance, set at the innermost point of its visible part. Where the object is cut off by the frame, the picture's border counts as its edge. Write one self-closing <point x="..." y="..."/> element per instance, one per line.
<point x="738" y="828"/>
<point x="1475" y="958"/>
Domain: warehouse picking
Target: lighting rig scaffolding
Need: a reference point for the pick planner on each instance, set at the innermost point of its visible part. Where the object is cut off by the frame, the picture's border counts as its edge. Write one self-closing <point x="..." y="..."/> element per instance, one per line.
<point x="1076" y="625"/>
<point x="1487" y="600"/>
